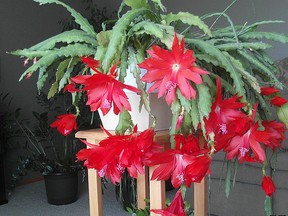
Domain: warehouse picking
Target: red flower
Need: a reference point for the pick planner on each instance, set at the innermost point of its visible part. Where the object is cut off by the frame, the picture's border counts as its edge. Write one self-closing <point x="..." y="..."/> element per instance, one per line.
<point x="188" y="145"/>
<point x="268" y="185"/>
<point x="170" y="70"/>
<point x="109" y="167"/>
<point x="173" y="162"/>
<point x="91" y="63"/>
<point x="28" y="75"/>
<point x="278" y="101"/>
<point x="276" y="131"/>
<point x="220" y="123"/>
<point x="71" y="87"/>
<point x="65" y="124"/>
<point x="119" y="152"/>
<point x="268" y="90"/>
<point x="104" y="90"/>
<point x="176" y="208"/>
<point x="247" y="137"/>
<point x="223" y="111"/>
<point x="198" y="169"/>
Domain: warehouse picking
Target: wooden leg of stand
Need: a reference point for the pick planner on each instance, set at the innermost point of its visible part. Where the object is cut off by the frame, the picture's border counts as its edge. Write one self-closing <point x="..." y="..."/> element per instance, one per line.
<point x="95" y="191"/>
<point x="142" y="189"/>
<point x="200" y="198"/>
<point x="157" y="193"/>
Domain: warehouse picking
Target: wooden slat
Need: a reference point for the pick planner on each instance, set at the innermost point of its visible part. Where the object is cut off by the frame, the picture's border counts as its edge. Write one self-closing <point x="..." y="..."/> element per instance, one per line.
<point x="157" y="188"/>
<point x="142" y="189"/>
<point x="157" y="193"/>
<point x="95" y="193"/>
<point x="200" y="198"/>
<point x="94" y="134"/>
<point x="94" y="189"/>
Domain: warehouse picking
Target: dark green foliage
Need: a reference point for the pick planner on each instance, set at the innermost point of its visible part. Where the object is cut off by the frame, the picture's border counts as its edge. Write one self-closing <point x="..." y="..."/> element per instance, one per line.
<point x="126" y="191"/>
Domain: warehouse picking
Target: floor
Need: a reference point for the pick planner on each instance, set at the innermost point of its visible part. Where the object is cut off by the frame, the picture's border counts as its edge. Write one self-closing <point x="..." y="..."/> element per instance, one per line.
<point x="30" y="200"/>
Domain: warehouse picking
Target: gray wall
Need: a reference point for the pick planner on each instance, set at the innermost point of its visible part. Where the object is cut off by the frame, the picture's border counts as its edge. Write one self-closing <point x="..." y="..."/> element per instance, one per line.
<point x="24" y="23"/>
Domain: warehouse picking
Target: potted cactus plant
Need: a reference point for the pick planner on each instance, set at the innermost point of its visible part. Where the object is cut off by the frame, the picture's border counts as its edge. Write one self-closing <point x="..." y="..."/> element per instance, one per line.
<point x="219" y="84"/>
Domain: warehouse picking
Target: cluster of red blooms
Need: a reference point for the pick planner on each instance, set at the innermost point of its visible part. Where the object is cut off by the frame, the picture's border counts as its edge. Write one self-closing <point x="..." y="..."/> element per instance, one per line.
<point x="228" y="127"/>
<point x="119" y="152"/>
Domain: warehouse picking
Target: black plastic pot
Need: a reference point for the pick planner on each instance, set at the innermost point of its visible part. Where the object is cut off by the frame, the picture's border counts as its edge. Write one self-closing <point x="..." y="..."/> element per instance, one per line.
<point x="3" y="198"/>
<point x="61" y="188"/>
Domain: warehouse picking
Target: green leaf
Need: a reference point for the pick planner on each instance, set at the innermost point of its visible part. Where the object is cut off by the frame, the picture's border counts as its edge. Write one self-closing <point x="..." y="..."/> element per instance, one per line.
<point x="267" y="35"/>
<point x="187" y="122"/>
<point x="44" y="62"/>
<point x="147" y="27"/>
<point x="207" y="58"/>
<point x="31" y="53"/>
<point x="223" y="61"/>
<point x="136" y="4"/>
<point x="204" y="100"/>
<point x="282" y="113"/>
<point x="251" y="45"/>
<point x="247" y="76"/>
<point x="103" y="38"/>
<point x="195" y="117"/>
<point x="268" y="206"/>
<point x="265" y="59"/>
<point x="175" y="108"/>
<point x="160" y="5"/>
<point x="262" y="68"/>
<point x="65" y="78"/>
<point x="61" y="69"/>
<point x="228" y="179"/>
<point x="72" y="36"/>
<point x="168" y="35"/>
<point x="236" y="164"/>
<point x="187" y="18"/>
<point x="124" y="65"/>
<point x="79" y="19"/>
<point x="124" y="122"/>
<point x="135" y="70"/>
<point x="204" y="104"/>
<point x="75" y="50"/>
<point x="265" y="22"/>
<point x="118" y="37"/>
<point x="43" y="75"/>
<point x="53" y="55"/>
<point x="53" y="90"/>
<point x="183" y="101"/>
<point x="264" y="106"/>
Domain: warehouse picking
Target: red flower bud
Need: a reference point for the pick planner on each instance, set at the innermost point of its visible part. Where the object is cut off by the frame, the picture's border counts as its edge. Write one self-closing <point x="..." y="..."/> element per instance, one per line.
<point x="268" y="90"/>
<point x="65" y="124"/>
<point x="278" y="101"/>
<point x="268" y="185"/>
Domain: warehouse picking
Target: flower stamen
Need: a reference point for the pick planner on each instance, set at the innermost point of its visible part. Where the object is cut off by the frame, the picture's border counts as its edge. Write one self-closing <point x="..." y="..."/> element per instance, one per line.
<point x="120" y="168"/>
<point x="106" y="104"/>
<point x="180" y="177"/>
<point x="243" y="151"/>
<point x="170" y="85"/>
<point x="223" y="129"/>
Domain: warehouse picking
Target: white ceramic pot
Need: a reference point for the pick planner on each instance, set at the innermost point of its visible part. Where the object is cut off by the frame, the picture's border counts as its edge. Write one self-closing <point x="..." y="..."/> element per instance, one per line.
<point x="159" y="109"/>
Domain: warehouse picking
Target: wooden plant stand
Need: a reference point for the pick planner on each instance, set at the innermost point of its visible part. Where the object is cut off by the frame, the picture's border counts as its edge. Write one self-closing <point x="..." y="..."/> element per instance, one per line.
<point x="145" y="186"/>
